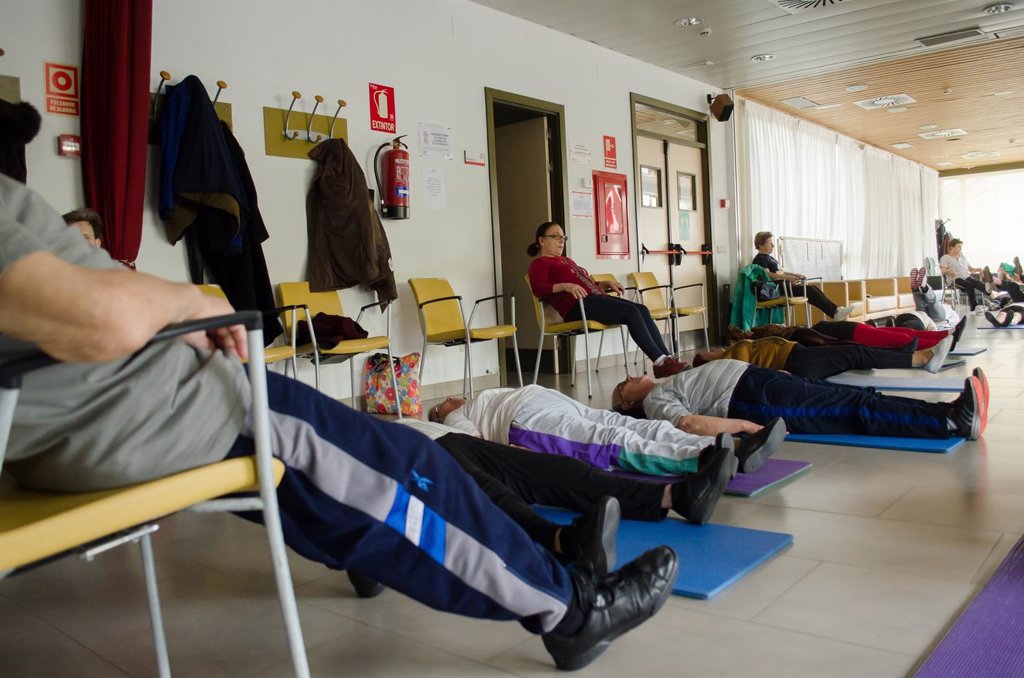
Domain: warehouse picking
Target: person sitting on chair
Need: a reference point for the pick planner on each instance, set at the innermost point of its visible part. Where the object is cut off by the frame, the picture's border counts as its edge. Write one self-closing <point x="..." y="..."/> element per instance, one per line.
<point x="820" y="361"/>
<point x="119" y="412"/>
<point x="763" y="243"/>
<point x="561" y="282"/>
<point x="544" y="420"/>
<point x="736" y="391"/>
<point x="955" y="267"/>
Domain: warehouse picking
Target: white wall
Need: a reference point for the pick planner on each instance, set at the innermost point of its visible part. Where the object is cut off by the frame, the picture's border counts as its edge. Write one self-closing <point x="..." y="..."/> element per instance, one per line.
<point x="439" y="56"/>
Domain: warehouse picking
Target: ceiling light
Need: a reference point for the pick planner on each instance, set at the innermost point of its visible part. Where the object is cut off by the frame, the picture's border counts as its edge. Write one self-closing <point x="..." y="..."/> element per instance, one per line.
<point x="689" y="21"/>
<point x="901" y="145"/>
<point x="928" y="127"/>
<point x="1005" y="92"/>
<point x="800" y="102"/>
<point x="898" y="109"/>
<point x="999" y="8"/>
<point x="825" y="107"/>
<point x="856" y="88"/>
<point x="760" y="58"/>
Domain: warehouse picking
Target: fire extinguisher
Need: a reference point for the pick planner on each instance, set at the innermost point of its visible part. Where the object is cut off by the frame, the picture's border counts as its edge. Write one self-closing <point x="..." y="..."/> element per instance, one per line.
<point x="394" y="195"/>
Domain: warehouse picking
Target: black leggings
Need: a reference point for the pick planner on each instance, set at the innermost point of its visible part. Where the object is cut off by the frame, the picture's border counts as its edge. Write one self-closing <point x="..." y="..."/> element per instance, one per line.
<point x="1013" y="289"/>
<point x="513" y="478"/>
<point x="970" y="285"/>
<point x="819" y="362"/>
<point x="616" y="310"/>
<point x="816" y="298"/>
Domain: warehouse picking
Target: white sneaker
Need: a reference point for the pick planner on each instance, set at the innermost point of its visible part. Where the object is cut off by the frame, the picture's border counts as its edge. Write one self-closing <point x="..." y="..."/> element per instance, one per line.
<point x="939" y="353"/>
<point x="843" y="312"/>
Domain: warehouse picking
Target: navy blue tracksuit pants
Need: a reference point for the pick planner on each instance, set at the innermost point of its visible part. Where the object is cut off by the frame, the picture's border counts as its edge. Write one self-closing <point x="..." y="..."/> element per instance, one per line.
<point x="385" y="501"/>
<point x="813" y="406"/>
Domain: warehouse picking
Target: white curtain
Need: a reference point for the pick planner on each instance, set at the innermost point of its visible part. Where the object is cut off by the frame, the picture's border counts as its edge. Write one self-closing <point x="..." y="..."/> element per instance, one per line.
<point x="986" y="211"/>
<point x="801" y="180"/>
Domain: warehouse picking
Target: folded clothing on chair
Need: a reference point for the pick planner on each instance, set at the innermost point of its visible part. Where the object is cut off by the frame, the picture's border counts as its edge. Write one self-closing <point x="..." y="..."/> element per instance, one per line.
<point x="330" y="329"/>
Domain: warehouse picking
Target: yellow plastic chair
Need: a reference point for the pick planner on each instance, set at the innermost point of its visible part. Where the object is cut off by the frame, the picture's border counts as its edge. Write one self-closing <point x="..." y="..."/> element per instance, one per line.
<point x="565" y="329"/>
<point x="37" y="527"/>
<point x="443" y="323"/>
<point x="297" y="294"/>
<point x="660" y="300"/>
<point x="608" y="277"/>
<point x="788" y="301"/>
<point x="271" y="354"/>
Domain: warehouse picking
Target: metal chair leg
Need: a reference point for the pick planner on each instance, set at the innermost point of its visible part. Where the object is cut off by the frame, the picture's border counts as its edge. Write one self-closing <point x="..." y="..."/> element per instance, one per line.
<point x="394" y="383"/>
<point x="536" y="366"/>
<point x="600" y="348"/>
<point x="467" y="372"/>
<point x="155" y="614"/>
<point x="519" y="368"/>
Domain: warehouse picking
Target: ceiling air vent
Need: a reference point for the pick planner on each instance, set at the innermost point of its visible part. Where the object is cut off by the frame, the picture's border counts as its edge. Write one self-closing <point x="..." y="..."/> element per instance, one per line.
<point x="952" y="36"/>
<point x="1011" y="32"/>
<point x="942" y="134"/>
<point x="797" y="6"/>
<point x="886" y="102"/>
<point x="800" y="102"/>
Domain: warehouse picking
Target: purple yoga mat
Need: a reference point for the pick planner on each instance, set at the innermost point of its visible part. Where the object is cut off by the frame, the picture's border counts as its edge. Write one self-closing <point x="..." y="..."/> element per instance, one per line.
<point x="772" y="472"/>
<point x="988" y="637"/>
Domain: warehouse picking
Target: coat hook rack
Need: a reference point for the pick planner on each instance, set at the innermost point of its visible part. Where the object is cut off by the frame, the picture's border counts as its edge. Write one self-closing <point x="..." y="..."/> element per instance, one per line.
<point x="291" y="134"/>
<point x="164" y="77"/>
<point x="221" y="86"/>
<point x="309" y="125"/>
<point x="341" y="105"/>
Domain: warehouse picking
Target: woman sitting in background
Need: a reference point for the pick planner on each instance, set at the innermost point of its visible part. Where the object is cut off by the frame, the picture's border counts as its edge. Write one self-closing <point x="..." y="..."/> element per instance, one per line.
<point x="815" y="297"/>
<point x="561" y="282"/>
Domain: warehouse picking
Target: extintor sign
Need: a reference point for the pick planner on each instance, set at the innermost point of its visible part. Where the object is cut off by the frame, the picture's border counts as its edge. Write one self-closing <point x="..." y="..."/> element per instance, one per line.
<point x="382" y="108"/>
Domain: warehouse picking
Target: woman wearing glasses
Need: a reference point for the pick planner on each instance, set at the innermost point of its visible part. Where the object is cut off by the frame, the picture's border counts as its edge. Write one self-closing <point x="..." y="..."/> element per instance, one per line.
<point x="561" y="282"/>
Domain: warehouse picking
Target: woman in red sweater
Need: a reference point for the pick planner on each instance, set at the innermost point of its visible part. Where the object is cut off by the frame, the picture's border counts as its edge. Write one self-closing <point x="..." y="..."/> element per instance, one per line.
<point x="560" y="282"/>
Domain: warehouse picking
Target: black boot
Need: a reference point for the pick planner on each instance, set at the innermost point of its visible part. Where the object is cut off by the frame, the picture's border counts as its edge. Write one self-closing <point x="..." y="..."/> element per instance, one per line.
<point x="365" y="587"/>
<point x="611" y="605"/>
<point x="696" y="496"/>
<point x="590" y="540"/>
<point x="754" y="448"/>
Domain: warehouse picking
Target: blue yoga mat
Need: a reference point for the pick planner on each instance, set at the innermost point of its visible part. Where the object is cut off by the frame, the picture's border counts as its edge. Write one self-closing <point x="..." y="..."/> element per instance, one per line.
<point x="929" y="383"/>
<point x="939" y="445"/>
<point x="986" y="639"/>
<point x="711" y="557"/>
<point x="1010" y="327"/>
<point x="968" y="350"/>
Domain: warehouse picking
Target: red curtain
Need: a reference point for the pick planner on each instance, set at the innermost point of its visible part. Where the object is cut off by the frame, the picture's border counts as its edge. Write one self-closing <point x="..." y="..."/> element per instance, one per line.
<point x="115" y="118"/>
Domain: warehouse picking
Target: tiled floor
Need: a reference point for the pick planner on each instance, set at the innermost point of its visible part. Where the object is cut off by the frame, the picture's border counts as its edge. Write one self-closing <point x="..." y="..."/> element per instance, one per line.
<point x="888" y="546"/>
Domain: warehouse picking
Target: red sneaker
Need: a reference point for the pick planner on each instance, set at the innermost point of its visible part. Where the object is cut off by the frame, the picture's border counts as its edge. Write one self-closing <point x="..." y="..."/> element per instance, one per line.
<point x="668" y="367"/>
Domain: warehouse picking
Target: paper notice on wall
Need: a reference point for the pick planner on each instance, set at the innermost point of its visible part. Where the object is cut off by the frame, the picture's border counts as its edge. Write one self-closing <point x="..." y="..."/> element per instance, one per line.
<point x="581" y="204"/>
<point x="434" y="191"/>
<point x="435" y="141"/>
<point x="581" y="153"/>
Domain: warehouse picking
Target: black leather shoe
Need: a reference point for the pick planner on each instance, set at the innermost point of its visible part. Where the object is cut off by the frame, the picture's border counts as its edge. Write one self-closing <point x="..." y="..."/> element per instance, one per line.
<point x="959" y="330"/>
<point x="710" y="454"/>
<point x="965" y="411"/>
<point x="696" y="496"/>
<point x="613" y="604"/>
<point x="364" y="586"/>
<point x="590" y="540"/>
<point x="753" y="449"/>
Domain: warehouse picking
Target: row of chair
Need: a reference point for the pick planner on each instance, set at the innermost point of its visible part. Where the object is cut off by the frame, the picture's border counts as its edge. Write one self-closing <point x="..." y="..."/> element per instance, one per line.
<point x="443" y="323"/>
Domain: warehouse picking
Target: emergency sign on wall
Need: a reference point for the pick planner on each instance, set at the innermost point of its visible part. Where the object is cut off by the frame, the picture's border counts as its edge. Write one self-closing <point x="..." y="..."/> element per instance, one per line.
<point x="62" y="95"/>
<point x="382" y="108"/>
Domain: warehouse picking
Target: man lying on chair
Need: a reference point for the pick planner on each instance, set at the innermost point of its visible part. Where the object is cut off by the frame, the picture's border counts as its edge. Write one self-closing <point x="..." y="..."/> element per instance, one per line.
<point x="117" y="413"/>
<point x="725" y="392"/>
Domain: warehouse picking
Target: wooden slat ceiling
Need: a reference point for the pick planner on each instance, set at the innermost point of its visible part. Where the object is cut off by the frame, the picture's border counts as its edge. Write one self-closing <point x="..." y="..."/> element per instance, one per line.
<point x="819" y="51"/>
<point x="954" y="89"/>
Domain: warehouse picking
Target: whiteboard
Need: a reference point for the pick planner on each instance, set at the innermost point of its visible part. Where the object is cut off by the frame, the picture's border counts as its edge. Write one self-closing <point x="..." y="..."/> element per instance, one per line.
<point x="811" y="257"/>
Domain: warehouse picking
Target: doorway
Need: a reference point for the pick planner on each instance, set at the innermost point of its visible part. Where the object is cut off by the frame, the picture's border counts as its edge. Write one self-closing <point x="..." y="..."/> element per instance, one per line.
<point x="528" y="185"/>
<point x="670" y="148"/>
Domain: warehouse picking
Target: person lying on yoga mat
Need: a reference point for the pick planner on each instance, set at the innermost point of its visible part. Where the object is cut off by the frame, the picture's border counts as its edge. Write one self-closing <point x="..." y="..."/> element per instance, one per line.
<point x="514" y="478"/>
<point x="929" y="306"/>
<point x="734" y="390"/>
<point x="544" y="420"/>
<point x="819" y="362"/>
<point x="1010" y="315"/>
<point x="1004" y="279"/>
<point x="844" y="332"/>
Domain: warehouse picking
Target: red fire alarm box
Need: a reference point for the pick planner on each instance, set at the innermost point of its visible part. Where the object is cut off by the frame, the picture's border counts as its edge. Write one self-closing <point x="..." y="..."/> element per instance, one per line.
<point x="611" y="216"/>
<point x="69" y="145"/>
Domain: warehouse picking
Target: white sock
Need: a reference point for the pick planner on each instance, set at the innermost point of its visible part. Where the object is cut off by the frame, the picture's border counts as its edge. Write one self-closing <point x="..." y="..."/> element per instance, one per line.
<point x="661" y="360"/>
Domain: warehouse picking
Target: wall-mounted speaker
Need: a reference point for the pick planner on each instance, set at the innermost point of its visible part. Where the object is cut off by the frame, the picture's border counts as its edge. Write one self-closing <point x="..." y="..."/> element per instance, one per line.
<point x="721" y="107"/>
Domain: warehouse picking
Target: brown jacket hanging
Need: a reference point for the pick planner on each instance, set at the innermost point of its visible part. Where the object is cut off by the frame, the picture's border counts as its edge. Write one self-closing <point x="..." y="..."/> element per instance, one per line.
<point x="347" y="243"/>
